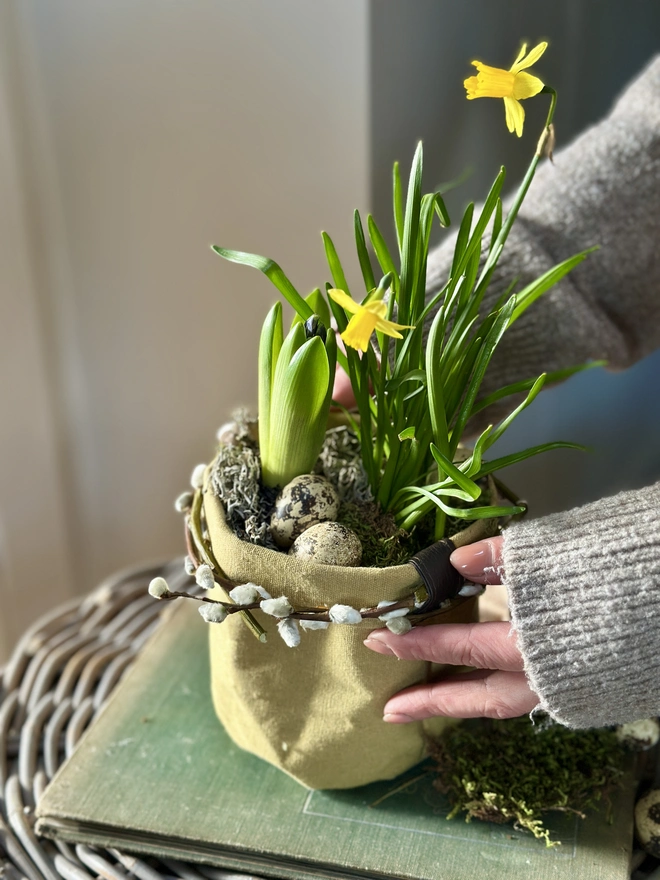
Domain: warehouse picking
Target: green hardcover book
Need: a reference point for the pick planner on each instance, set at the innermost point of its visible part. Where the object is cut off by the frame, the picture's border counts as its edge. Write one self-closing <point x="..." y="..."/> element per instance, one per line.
<point x="156" y="774"/>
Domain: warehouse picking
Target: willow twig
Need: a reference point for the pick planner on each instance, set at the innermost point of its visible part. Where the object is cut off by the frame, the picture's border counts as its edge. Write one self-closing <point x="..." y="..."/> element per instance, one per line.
<point x="195" y="526"/>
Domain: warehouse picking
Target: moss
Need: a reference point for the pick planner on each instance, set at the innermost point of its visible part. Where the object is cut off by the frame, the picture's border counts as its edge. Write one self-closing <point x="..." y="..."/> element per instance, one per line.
<point x="340" y="461"/>
<point x="502" y="771"/>
<point x="236" y="480"/>
<point x="383" y="542"/>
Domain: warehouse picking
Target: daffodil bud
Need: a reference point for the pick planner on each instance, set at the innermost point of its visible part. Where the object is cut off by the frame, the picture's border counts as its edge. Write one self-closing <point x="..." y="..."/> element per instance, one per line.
<point x="385" y="283"/>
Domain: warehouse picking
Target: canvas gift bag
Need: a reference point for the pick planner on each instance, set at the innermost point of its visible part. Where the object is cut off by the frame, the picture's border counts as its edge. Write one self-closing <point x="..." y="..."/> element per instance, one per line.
<point x="315" y="711"/>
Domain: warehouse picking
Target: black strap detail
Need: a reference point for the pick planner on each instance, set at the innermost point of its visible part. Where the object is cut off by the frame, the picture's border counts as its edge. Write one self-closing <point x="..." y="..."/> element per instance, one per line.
<point x="439" y="576"/>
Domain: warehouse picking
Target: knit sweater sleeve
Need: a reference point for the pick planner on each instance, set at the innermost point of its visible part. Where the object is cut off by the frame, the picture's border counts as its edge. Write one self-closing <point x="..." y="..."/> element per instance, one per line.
<point x="584" y="593"/>
<point x="584" y="585"/>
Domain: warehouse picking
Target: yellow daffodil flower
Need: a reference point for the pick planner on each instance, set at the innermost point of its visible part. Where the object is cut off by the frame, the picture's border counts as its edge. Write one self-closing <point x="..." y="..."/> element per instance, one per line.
<point x="513" y="85"/>
<point x="366" y="318"/>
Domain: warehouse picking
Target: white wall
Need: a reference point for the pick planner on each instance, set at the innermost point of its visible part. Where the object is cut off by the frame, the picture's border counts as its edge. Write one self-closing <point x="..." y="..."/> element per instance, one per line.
<point x="132" y="136"/>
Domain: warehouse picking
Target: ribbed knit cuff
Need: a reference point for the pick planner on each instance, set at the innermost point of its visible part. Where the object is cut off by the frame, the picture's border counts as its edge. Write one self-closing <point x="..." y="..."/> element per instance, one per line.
<point x="584" y="592"/>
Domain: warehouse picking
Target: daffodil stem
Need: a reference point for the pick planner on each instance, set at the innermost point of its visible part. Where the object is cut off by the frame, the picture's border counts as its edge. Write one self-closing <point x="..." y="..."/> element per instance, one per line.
<point x="553" y="103"/>
<point x="496" y="249"/>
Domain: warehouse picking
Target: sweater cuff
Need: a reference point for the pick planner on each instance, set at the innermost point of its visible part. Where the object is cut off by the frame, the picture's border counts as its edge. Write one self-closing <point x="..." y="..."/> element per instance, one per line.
<point x="584" y="593"/>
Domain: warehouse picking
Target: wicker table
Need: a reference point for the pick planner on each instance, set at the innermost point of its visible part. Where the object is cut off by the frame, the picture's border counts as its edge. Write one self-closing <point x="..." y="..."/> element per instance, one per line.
<point x="52" y="688"/>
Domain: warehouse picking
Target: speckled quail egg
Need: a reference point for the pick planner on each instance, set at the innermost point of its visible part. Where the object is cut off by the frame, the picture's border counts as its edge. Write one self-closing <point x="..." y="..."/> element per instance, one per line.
<point x="328" y="543"/>
<point x="647" y="821"/>
<point x="639" y="735"/>
<point x="305" y="501"/>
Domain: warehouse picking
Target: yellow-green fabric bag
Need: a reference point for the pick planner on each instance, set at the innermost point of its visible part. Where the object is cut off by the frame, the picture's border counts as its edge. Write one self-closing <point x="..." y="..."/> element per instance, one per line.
<point x="315" y="711"/>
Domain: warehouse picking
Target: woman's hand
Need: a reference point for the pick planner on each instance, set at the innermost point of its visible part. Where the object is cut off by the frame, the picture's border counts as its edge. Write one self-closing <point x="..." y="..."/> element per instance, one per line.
<point x="342" y="391"/>
<point x="497" y="688"/>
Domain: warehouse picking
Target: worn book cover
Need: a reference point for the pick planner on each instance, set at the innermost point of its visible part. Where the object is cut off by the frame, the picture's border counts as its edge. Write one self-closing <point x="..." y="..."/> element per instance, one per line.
<point x="157" y="774"/>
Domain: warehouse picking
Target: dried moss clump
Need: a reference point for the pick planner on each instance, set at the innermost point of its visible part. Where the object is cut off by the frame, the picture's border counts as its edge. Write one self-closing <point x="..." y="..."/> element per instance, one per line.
<point x="340" y="460"/>
<point x="236" y="480"/>
<point x="501" y="771"/>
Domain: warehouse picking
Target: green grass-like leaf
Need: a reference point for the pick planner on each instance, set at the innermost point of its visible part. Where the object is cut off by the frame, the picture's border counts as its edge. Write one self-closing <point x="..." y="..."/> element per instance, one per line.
<point x="498" y="464"/>
<point x="273" y="272"/>
<point x="363" y="254"/>
<point x="397" y="199"/>
<point x="319" y="306"/>
<point x="411" y="226"/>
<point x="519" y="387"/>
<point x="486" y="352"/>
<point x="380" y="247"/>
<point x="270" y="344"/>
<point x="334" y="263"/>
<point x="533" y="291"/>
<point x="504" y="424"/>
<point x="449" y="468"/>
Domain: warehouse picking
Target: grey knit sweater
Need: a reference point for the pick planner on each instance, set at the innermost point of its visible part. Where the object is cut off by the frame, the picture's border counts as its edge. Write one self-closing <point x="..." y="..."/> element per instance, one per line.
<point x="584" y="586"/>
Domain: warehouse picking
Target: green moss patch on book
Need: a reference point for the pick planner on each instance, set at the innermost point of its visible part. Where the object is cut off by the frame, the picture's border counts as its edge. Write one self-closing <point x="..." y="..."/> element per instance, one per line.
<point x="504" y="771"/>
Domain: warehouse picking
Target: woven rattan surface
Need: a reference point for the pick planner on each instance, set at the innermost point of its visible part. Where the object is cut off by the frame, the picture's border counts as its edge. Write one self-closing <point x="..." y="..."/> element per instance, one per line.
<point x="53" y="686"/>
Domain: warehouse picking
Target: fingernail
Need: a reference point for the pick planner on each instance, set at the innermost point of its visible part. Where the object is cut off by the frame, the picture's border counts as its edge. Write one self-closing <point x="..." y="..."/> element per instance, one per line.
<point x="473" y="560"/>
<point x="376" y="644"/>
<point x="396" y="718"/>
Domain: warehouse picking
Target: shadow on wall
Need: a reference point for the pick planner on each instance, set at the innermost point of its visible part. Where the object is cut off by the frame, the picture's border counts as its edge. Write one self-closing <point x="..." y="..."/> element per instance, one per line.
<point x="596" y="47"/>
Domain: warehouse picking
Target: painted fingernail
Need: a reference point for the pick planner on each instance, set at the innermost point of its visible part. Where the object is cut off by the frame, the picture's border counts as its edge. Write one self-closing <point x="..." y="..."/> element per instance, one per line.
<point x="476" y="562"/>
<point x="376" y="644"/>
<point x="396" y="718"/>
